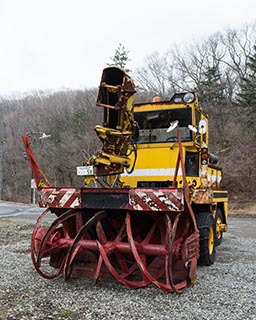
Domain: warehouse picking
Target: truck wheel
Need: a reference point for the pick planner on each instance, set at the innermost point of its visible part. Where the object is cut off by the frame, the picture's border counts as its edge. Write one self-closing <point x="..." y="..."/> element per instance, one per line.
<point x="218" y="233"/>
<point x="206" y="226"/>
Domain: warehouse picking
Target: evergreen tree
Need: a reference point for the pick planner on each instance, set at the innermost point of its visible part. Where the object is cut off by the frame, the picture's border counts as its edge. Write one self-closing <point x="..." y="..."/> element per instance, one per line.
<point x="247" y="95"/>
<point x="212" y="89"/>
<point x="120" y="58"/>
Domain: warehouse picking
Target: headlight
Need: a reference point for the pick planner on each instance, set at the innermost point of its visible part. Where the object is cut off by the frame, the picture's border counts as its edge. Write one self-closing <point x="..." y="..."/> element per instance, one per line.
<point x="188" y="97"/>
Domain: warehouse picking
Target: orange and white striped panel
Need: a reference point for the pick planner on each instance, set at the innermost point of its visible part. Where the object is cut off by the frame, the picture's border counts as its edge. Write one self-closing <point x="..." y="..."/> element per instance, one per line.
<point x="60" y="197"/>
<point x="156" y="200"/>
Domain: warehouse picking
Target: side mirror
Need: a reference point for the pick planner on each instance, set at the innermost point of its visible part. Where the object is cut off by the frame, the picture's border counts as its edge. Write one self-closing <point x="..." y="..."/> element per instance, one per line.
<point x="173" y="125"/>
<point x="192" y="128"/>
<point x="202" y="126"/>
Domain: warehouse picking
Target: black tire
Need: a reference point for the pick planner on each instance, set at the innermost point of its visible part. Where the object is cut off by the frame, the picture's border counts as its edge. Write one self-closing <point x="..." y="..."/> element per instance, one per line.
<point x="218" y="234"/>
<point x="206" y="226"/>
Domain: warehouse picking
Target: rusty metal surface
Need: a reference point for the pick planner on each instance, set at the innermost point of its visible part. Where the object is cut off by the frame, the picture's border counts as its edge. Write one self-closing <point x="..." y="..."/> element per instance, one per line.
<point x="38" y="174"/>
<point x="157" y="200"/>
<point x="116" y="83"/>
<point x="139" y="236"/>
<point x="137" y="199"/>
<point x="135" y="249"/>
<point x="60" y="197"/>
<point x="202" y="196"/>
<point x="134" y="199"/>
<point x="116" y="96"/>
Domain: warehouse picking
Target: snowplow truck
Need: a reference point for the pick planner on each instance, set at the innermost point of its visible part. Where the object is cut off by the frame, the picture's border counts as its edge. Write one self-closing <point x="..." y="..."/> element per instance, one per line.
<point x="151" y="207"/>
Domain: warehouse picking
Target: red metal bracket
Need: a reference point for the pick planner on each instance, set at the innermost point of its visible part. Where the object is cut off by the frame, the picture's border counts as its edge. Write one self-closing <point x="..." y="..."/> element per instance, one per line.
<point x="39" y="176"/>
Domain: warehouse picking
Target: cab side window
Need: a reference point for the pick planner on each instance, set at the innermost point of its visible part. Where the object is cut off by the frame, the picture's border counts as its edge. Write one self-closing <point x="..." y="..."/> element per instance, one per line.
<point x="192" y="163"/>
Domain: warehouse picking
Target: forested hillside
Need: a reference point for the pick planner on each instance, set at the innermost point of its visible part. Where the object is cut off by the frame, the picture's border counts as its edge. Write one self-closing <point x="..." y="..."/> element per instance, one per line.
<point x="69" y="117"/>
<point x="222" y="69"/>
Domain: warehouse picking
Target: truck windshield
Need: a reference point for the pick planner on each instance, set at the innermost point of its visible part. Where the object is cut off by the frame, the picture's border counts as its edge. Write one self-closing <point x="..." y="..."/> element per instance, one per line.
<point x="153" y="125"/>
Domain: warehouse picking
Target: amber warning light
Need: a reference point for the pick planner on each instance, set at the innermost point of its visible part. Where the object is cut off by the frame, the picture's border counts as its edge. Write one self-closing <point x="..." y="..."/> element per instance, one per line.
<point x="204" y="156"/>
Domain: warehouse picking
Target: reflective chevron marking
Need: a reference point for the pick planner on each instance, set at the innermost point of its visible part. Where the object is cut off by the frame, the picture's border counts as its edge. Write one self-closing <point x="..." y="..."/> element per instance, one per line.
<point x="150" y="200"/>
<point x="60" y="197"/>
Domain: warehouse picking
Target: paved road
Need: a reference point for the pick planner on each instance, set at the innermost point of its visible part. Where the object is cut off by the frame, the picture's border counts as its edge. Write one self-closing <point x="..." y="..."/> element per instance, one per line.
<point x="238" y="225"/>
<point x="19" y="211"/>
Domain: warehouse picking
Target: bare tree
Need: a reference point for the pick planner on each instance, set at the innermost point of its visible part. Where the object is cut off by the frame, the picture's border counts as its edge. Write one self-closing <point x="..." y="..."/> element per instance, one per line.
<point x="69" y="116"/>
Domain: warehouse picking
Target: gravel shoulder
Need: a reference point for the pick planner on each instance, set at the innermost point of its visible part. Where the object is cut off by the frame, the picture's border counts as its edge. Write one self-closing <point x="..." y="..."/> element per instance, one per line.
<point x="225" y="290"/>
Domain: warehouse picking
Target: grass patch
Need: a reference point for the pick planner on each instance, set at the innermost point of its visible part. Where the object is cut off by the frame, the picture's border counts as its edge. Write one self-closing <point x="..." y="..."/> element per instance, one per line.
<point x="64" y="312"/>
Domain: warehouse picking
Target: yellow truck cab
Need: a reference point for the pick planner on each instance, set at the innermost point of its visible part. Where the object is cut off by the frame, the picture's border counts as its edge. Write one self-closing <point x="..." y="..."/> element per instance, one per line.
<point x="154" y="162"/>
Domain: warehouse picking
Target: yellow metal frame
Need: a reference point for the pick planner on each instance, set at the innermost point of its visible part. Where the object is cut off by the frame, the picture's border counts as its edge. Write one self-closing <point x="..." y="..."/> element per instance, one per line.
<point x="154" y="161"/>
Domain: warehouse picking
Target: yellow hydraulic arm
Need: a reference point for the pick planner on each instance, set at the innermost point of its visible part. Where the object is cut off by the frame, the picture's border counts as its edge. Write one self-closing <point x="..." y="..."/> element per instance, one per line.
<point x="116" y="96"/>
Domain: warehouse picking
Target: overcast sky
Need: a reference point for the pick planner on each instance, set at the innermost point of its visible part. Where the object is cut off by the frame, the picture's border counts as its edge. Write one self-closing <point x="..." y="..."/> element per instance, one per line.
<point x="54" y="44"/>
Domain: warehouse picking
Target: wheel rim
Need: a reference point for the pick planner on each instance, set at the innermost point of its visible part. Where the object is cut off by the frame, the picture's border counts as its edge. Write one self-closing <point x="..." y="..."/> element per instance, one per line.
<point x="218" y="228"/>
<point x="211" y="241"/>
